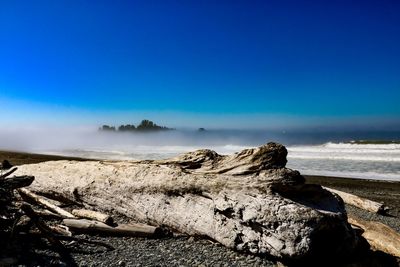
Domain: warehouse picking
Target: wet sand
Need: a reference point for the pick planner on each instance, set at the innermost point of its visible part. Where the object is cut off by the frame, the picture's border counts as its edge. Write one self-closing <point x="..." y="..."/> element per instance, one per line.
<point x="19" y="158"/>
<point x="387" y="192"/>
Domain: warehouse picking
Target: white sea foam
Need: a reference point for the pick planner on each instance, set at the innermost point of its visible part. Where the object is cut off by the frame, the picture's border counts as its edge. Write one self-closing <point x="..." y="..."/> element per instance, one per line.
<point x="369" y="161"/>
<point x="363" y="146"/>
<point x="344" y="151"/>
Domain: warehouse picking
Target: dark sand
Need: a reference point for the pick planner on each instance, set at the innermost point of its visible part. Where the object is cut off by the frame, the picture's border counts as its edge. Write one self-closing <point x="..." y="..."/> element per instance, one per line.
<point x="19" y="158"/>
<point x="387" y="192"/>
<point x="133" y="252"/>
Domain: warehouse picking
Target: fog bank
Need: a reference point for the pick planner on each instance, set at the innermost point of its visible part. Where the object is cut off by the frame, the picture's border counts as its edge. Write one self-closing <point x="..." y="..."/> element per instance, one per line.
<point x="58" y="140"/>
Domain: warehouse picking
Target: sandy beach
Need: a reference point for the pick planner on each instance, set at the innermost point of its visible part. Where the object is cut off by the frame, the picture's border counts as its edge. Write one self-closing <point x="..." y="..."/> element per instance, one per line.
<point x="183" y="250"/>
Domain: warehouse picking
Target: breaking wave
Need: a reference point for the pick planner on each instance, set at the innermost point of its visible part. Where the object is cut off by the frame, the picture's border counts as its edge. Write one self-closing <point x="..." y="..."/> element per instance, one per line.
<point x="346" y="151"/>
<point x="368" y="161"/>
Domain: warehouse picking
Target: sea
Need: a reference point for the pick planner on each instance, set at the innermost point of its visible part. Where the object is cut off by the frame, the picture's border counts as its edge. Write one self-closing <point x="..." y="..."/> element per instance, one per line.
<point x="342" y="153"/>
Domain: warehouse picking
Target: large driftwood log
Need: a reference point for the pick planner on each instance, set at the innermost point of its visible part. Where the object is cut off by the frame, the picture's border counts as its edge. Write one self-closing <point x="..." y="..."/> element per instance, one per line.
<point x="379" y="236"/>
<point x="247" y="201"/>
<point x="360" y="202"/>
<point x="93" y="215"/>
<point x="25" y="193"/>
<point x="88" y="226"/>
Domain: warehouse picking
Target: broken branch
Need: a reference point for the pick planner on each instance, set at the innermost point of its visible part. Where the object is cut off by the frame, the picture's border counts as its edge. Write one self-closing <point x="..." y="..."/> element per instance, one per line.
<point x="94" y="215"/>
<point x="37" y="199"/>
<point x="138" y="230"/>
<point x="360" y="202"/>
<point x="379" y="236"/>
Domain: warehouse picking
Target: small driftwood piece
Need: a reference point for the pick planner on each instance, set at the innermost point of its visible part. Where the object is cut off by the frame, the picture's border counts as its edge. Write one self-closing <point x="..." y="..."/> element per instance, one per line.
<point x="93" y="215"/>
<point x="8" y="173"/>
<point x="16" y="182"/>
<point x="360" y="202"/>
<point x="47" y="231"/>
<point x="61" y="230"/>
<point x="137" y="230"/>
<point x="25" y="193"/>
<point x="49" y="215"/>
<point x="379" y="236"/>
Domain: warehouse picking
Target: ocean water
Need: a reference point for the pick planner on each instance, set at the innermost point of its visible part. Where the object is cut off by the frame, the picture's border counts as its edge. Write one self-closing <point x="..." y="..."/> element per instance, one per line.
<point x="324" y="153"/>
<point x="377" y="162"/>
<point x="369" y="161"/>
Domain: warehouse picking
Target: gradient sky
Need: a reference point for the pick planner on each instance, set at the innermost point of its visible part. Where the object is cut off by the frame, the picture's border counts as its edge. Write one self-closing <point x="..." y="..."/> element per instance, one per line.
<point x="119" y="60"/>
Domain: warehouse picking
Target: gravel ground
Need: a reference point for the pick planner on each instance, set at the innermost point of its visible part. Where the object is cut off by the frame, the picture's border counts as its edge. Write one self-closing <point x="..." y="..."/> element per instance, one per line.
<point x="169" y="252"/>
<point x="129" y="251"/>
<point x="382" y="191"/>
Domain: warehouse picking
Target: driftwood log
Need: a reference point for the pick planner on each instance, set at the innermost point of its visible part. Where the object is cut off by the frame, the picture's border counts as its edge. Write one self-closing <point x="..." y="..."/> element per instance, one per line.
<point x="25" y="193"/>
<point x="93" y="215"/>
<point x="379" y="236"/>
<point x="247" y="201"/>
<point x="88" y="226"/>
<point x="46" y="214"/>
<point x="360" y="202"/>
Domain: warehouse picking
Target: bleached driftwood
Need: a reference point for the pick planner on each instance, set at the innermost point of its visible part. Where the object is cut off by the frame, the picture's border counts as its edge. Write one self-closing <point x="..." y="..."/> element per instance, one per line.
<point x="360" y="202"/>
<point x="49" y="215"/>
<point x="25" y="193"/>
<point x="93" y="215"/>
<point x="88" y="226"/>
<point x="247" y="201"/>
<point x="61" y="230"/>
<point x="379" y="236"/>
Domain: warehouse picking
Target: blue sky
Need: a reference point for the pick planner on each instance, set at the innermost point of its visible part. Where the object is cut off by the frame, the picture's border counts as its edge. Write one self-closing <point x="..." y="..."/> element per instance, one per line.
<point x="182" y="61"/>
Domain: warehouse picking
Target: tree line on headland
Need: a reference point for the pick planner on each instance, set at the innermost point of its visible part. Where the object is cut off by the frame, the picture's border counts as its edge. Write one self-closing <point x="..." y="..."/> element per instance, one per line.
<point x="144" y="126"/>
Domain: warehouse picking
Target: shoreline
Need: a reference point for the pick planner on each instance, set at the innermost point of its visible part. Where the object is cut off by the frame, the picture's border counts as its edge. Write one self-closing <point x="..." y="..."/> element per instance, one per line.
<point x="20" y="157"/>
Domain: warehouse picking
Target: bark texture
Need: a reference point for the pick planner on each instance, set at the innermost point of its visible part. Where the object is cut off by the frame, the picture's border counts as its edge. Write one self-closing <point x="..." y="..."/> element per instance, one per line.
<point x="247" y="201"/>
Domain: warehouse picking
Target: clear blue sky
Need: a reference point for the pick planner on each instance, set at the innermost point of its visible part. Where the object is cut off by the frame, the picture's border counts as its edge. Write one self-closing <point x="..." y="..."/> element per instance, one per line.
<point x="309" y="59"/>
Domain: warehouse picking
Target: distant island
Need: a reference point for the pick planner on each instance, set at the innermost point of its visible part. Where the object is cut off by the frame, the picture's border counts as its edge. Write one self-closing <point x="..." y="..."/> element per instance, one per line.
<point x="144" y="126"/>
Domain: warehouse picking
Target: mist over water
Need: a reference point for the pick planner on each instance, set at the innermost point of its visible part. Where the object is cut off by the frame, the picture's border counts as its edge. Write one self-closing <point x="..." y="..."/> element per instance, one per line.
<point x="314" y="152"/>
